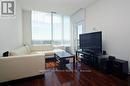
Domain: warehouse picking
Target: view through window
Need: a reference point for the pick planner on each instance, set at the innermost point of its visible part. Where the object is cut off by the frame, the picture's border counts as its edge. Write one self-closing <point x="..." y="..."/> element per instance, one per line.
<point x="79" y="31"/>
<point x="50" y="28"/>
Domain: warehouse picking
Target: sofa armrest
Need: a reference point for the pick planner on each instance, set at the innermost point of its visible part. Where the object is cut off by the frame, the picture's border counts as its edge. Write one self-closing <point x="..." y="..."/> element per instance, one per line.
<point x="16" y="67"/>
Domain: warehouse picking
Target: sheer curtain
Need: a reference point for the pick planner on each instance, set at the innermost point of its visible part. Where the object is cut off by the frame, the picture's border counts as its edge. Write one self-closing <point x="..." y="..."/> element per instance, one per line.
<point x="41" y="28"/>
<point x="57" y="29"/>
<point x="50" y="28"/>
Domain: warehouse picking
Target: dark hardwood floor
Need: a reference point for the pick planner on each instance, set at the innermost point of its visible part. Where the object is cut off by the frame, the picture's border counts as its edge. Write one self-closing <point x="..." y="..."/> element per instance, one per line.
<point x="83" y="76"/>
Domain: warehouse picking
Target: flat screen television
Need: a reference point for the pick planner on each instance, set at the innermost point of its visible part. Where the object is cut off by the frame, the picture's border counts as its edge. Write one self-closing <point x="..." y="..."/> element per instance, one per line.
<point x="91" y="41"/>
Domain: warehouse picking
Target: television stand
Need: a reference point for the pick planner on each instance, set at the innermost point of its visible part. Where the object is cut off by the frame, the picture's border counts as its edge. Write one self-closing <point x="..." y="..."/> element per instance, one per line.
<point x="115" y="67"/>
<point x="87" y="57"/>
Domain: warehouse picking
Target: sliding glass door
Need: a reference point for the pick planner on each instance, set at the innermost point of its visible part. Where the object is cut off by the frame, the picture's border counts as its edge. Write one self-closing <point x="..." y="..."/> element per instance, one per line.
<point x="79" y="27"/>
<point x="79" y="31"/>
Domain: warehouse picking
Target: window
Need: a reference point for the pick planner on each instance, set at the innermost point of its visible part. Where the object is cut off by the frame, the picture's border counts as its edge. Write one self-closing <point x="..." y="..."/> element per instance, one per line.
<point x="57" y="29"/>
<point x="80" y="28"/>
<point x="41" y="28"/>
<point x="66" y="35"/>
<point x="79" y="31"/>
<point x="50" y="28"/>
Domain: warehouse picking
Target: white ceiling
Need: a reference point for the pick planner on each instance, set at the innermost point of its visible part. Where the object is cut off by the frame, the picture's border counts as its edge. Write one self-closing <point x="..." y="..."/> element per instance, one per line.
<point x="67" y="7"/>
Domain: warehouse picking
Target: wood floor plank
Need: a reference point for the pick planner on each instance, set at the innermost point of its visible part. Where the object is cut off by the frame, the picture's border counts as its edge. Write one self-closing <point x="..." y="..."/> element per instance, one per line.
<point x="84" y="76"/>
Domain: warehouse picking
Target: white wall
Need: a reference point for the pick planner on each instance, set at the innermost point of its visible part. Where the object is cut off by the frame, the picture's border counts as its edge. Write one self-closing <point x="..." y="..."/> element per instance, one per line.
<point x="113" y="18"/>
<point x="11" y="31"/>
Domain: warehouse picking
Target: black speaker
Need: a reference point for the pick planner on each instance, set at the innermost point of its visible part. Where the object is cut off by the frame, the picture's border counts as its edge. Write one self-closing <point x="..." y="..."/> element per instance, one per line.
<point x="111" y="58"/>
<point x="104" y="52"/>
<point x="6" y="54"/>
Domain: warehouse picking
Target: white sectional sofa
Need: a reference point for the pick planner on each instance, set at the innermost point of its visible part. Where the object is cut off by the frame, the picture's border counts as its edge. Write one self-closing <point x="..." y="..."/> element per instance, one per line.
<point x="25" y="62"/>
<point x="47" y="49"/>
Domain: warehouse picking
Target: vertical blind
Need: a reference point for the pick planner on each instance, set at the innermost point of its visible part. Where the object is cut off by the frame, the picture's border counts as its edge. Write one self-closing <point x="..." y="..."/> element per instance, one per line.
<point x="50" y="28"/>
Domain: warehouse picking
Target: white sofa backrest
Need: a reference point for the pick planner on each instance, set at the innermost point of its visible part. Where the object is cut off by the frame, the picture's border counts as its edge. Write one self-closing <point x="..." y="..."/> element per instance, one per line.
<point x="28" y="49"/>
<point x="20" y="51"/>
<point x="45" y="47"/>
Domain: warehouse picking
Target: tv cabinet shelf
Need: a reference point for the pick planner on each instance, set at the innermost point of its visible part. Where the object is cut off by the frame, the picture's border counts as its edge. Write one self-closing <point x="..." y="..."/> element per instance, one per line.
<point x="116" y="67"/>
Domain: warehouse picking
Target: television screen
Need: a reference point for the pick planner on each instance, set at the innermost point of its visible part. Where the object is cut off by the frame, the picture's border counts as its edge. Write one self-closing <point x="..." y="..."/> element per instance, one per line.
<point x="91" y="41"/>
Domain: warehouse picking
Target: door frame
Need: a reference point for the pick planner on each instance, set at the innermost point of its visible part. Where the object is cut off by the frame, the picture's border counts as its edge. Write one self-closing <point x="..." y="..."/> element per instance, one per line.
<point x="76" y="33"/>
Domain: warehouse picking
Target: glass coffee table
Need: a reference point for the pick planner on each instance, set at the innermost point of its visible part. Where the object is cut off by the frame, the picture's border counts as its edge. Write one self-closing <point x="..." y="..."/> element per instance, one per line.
<point x="62" y="56"/>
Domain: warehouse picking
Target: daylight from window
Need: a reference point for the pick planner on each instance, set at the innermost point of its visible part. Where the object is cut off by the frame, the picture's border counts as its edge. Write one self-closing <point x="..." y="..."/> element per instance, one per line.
<point x="50" y="28"/>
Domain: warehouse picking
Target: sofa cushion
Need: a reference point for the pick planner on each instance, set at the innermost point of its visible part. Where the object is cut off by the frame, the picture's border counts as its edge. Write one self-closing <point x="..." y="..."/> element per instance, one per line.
<point x="58" y="50"/>
<point x="45" y="47"/>
<point x="28" y="49"/>
<point x="19" y="51"/>
<point x="49" y="53"/>
<point x="37" y="52"/>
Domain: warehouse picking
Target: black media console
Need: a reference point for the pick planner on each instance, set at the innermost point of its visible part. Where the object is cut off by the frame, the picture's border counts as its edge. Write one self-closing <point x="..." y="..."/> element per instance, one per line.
<point x="105" y="63"/>
<point x="90" y="58"/>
